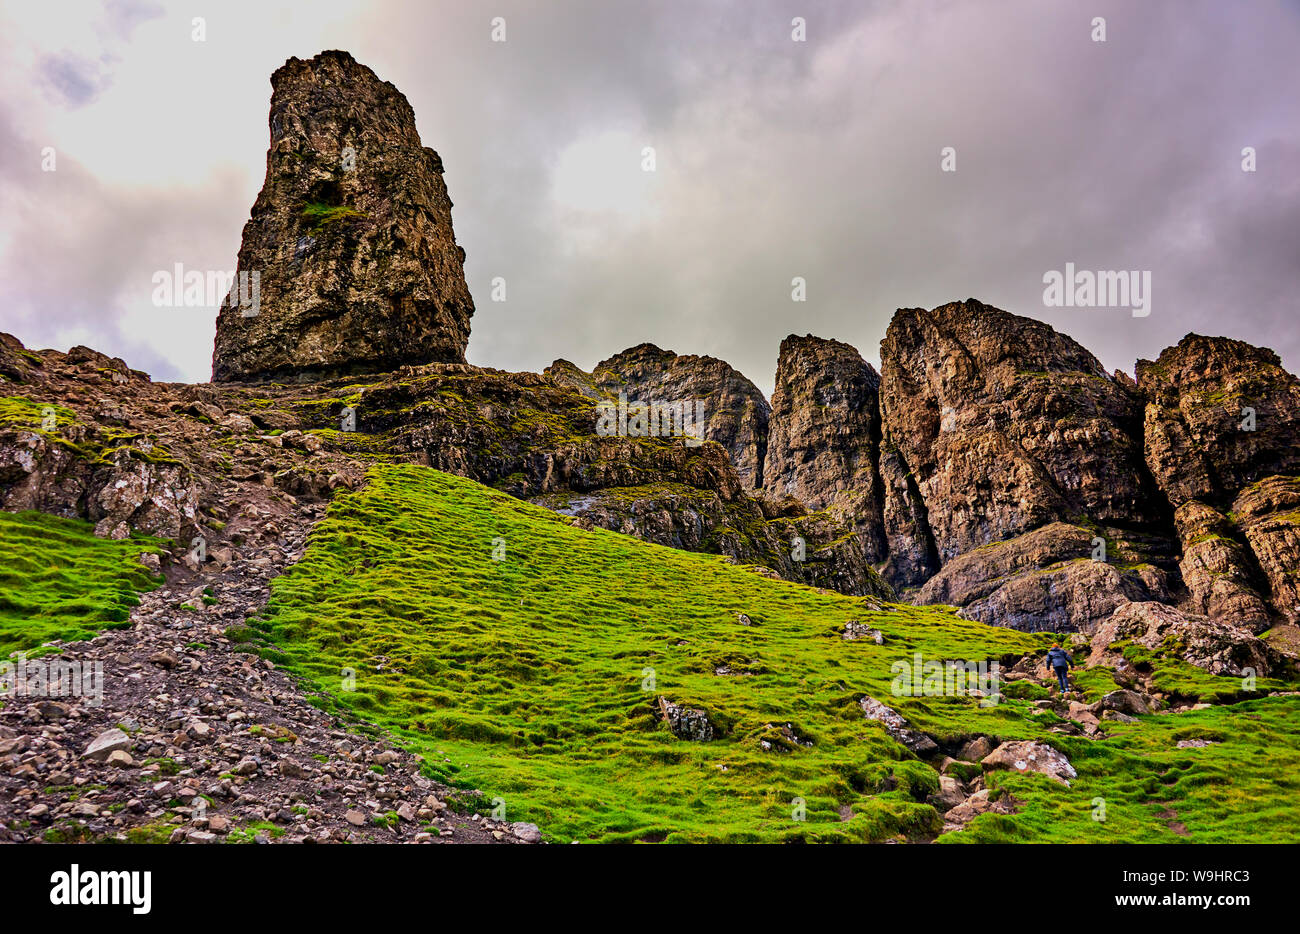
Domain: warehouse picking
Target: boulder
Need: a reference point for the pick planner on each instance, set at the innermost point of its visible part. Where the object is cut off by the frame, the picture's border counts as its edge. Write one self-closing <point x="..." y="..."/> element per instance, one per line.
<point x="1129" y="702"/>
<point x="1219" y="648"/>
<point x="896" y="726"/>
<point x="1029" y="756"/>
<point x="686" y="722"/>
<point x="105" y="744"/>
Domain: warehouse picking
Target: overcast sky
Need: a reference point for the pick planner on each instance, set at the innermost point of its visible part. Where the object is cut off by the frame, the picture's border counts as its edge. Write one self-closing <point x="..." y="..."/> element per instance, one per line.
<point x="774" y="159"/>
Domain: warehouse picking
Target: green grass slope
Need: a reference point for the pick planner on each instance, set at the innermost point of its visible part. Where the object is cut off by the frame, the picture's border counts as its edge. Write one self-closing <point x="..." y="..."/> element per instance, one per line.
<point x="530" y="678"/>
<point x="58" y="581"/>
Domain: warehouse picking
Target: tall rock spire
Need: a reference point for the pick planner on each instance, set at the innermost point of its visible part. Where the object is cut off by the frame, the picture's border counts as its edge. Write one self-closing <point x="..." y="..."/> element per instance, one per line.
<point x="357" y="267"/>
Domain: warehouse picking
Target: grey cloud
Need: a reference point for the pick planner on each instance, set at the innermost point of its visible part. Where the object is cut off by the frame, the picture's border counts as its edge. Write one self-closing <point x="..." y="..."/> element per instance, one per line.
<point x="70" y="79"/>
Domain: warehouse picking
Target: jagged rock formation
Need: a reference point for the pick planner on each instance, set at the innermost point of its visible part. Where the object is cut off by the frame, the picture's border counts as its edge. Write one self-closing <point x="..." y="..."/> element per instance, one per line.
<point x="992" y="464"/>
<point x="1000" y="425"/>
<point x="824" y="435"/>
<point x="1223" y="441"/>
<point x="1007" y="454"/>
<point x="736" y="414"/>
<point x="351" y="236"/>
<point x="1007" y="473"/>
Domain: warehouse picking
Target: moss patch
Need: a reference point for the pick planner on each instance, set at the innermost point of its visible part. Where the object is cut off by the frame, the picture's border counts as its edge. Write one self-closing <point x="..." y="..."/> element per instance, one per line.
<point x="58" y="581"/>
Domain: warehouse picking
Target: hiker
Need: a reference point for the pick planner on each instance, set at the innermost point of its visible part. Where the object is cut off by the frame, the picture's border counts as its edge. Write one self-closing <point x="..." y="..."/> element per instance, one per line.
<point x="1059" y="661"/>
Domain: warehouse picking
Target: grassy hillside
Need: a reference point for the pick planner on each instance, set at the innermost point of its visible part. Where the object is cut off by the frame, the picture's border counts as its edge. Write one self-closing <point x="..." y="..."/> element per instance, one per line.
<point x="536" y="677"/>
<point x="58" y="581"/>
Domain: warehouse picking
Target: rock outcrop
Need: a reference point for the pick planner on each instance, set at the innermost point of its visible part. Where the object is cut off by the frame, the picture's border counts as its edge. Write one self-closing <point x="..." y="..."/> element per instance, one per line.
<point x="1002" y="425"/>
<point x="351" y="237"/>
<point x="1218" y="647"/>
<point x="995" y="428"/>
<point x="1037" y="582"/>
<point x="1222" y="431"/>
<point x="1029" y="756"/>
<point x="735" y="412"/>
<point x="823" y="444"/>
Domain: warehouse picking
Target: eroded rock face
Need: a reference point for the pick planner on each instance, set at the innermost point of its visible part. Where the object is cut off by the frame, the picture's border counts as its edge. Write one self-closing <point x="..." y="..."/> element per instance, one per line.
<point x="824" y="435"/>
<point x="735" y="412"/>
<point x="351" y="236"/>
<point x="1218" y="647"/>
<point x="999" y="436"/>
<point x="1038" y="582"/>
<point x="1223" y="442"/>
<point x="1004" y="426"/>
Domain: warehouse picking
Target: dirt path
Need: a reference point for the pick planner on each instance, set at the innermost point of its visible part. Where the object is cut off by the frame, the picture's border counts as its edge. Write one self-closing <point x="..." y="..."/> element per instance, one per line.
<point x="216" y="745"/>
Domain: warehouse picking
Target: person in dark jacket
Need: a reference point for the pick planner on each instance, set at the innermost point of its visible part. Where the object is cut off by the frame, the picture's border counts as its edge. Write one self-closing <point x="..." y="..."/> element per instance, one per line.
<point x="1058" y="660"/>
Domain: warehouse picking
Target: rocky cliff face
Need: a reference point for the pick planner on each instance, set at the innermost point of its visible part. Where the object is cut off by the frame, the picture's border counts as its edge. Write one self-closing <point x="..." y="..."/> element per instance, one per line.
<point x="1008" y="456"/>
<point x="1222" y="430"/>
<point x="735" y="412"/>
<point x="994" y="464"/>
<point x="823" y="443"/>
<point x="351" y="237"/>
<point x="1004" y="426"/>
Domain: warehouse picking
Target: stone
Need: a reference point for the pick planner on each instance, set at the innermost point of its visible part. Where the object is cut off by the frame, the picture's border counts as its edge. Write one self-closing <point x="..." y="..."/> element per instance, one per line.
<point x="105" y="744"/>
<point x="120" y="759"/>
<point x="950" y="794"/>
<point x="686" y="722"/>
<point x="1129" y="702"/>
<point x="896" y="726"/>
<point x="291" y="769"/>
<point x="853" y="631"/>
<point x="1026" y="755"/>
<point x="975" y="749"/>
<point x="351" y="236"/>
<point x="355" y="818"/>
<point x="52" y="710"/>
<point x="526" y="832"/>
<point x="164" y="658"/>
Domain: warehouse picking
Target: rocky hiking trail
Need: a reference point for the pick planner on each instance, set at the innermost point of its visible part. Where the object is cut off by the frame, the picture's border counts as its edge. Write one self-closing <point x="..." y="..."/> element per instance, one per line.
<point x="199" y="742"/>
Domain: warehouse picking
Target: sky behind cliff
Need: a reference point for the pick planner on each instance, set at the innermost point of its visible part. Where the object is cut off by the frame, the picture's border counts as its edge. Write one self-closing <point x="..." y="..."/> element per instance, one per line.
<point x="774" y="159"/>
